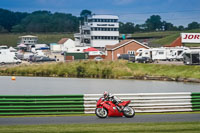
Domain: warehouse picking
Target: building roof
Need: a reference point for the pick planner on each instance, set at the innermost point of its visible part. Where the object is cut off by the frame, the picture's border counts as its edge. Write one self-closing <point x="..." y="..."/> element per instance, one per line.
<point x="105" y="16"/>
<point x="90" y="49"/>
<point x="30" y="36"/>
<point x="63" y="40"/>
<point x="123" y="43"/>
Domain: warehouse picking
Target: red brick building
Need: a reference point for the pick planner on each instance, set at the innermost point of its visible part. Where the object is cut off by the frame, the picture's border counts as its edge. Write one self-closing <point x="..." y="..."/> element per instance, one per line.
<point x="123" y="47"/>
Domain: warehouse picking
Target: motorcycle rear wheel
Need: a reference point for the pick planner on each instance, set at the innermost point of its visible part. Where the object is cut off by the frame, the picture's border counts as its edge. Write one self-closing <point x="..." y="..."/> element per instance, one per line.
<point x="101" y="112"/>
<point x="128" y="112"/>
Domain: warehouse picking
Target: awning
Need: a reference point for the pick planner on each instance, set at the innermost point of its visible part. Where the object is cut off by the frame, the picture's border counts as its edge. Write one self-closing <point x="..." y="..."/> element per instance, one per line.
<point x="22" y="46"/>
<point x="90" y="49"/>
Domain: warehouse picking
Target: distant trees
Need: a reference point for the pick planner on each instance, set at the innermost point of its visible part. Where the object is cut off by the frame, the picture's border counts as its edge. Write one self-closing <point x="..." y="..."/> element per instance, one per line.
<point x="193" y="25"/>
<point x="38" y="21"/>
<point x="85" y="13"/>
<point x="154" y="23"/>
<point x="45" y="21"/>
<point x="8" y="19"/>
<point x="126" y="27"/>
<point x="167" y="26"/>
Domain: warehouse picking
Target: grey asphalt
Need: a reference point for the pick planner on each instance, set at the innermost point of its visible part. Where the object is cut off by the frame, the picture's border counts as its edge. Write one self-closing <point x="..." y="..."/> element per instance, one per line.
<point x="94" y="119"/>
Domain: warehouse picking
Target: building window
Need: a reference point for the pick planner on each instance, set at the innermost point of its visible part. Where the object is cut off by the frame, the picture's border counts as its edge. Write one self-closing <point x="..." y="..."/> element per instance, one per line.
<point x="104" y="37"/>
<point x="131" y="52"/>
<point x="104" y="29"/>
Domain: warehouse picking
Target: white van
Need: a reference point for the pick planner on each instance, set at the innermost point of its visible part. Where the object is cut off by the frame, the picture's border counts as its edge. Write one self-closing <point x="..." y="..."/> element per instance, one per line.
<point x="8" y="59"/>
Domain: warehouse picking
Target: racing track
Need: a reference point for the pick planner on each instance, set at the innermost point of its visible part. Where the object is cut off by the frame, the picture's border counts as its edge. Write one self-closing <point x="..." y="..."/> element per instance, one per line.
<point x="94" y="119"/>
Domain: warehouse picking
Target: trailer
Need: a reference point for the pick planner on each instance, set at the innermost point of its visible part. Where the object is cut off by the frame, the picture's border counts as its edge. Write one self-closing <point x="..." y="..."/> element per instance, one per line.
<point x="176" y="53"/>
<point x="162" y="53"/>
<point x="191" y="57"/>
<point x="152" y="53"/>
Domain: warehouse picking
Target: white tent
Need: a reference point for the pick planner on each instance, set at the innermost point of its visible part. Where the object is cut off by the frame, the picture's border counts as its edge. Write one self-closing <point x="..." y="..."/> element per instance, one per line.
<point x="12" y="49"/>
<point x="21" y="45"/>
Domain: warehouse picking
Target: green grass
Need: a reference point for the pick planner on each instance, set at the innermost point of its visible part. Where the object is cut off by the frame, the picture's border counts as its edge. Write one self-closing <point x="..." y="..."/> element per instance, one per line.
<point x="192" y="45"/>
<point x="158" y="34"/>
<point x="102" y="69"/>
<point x="12" y="39"/>
<point x="168" y="39"/>
<point x="171" y="71"/>
<point x="179" y="127"/>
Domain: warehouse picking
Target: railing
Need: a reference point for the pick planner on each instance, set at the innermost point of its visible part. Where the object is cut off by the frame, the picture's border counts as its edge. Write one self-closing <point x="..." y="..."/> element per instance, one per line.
<point x="152" y="102"/>
<point x="79" y="104"/>
<point x="56" y="104"/>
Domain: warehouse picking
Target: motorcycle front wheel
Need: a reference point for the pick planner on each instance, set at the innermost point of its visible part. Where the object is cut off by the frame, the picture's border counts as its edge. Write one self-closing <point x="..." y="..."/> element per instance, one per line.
<point x="101" y="112"/>
<point x="128" y="112"/>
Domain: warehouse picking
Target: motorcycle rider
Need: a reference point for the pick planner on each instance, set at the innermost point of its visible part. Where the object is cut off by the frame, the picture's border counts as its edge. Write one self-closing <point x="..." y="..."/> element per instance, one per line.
<point x="109" y="97"/>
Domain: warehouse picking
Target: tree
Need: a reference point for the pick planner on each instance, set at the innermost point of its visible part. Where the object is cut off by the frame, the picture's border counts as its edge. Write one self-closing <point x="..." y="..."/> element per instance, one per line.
<point x="137" y="28"/>
<point x="193" y="25"/>
<point x="126" y="28"/>
<point x="45" y="21"/>
<point x="18" y="28"/>
<point x="2" y="29"/>
<point x="154" y="23"/>
<point x="85" y="13"/>
<point x="181" y="28"/>
<point x="8" y="19"/>
<point x="168" y="26"/>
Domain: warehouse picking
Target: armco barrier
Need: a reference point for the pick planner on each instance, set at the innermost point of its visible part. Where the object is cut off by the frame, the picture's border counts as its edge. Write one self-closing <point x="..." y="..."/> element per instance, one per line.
<point x="79" y="104"/>
<point x="55" y="104"/>
<point x="195" y="100"/>
<point x="152" y="102"/>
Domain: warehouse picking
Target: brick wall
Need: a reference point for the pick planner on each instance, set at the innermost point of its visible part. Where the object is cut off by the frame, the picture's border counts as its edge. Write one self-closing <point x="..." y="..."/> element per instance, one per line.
<point x="132" y="46"/>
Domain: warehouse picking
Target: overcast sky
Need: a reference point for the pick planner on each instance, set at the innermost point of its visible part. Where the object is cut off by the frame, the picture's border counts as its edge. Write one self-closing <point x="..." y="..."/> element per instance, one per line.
<point x="178" y="12"/>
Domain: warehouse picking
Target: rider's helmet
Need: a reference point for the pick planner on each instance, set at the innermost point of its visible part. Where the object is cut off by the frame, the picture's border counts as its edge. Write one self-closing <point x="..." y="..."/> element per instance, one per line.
<point x="105" y="94"/>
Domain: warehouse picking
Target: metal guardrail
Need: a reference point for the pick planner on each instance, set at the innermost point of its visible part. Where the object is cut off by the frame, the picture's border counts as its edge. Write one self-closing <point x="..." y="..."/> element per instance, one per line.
<point x="79" y="104"/>
<point x="152" y="102"/>
<point x="52" y="104"/>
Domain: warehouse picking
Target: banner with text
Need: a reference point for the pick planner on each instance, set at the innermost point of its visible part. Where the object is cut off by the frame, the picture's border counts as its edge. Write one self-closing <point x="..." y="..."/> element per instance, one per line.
<point x="190" y="37"/>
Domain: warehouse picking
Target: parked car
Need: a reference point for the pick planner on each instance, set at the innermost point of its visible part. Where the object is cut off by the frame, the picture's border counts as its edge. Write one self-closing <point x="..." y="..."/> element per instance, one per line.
<point x="129" y="57"/>
<point x="43" y="59"/>
<point x="98" y="58"/>
<point x="144" y="60"/>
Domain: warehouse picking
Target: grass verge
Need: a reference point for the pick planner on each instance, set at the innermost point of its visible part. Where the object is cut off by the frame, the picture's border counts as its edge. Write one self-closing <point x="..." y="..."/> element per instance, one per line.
<point x="11" y="39"/>
<point x="171" y="36"/>
<point x="102" y="69"/>
<point x="190" y="127"/>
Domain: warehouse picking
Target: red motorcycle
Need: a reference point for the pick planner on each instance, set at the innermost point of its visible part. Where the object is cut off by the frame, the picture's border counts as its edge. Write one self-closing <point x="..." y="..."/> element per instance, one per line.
<point x="108" y="108"/>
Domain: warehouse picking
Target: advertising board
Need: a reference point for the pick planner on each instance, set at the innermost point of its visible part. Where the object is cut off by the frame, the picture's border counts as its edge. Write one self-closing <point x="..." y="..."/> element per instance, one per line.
<point x="190" y="37"/>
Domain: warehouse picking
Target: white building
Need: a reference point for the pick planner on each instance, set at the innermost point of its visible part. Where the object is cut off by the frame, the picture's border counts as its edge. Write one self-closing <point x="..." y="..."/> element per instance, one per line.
<point x="65" y="44"/>
<point x="98" y="31"/>
<point x="28" y="40"/>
